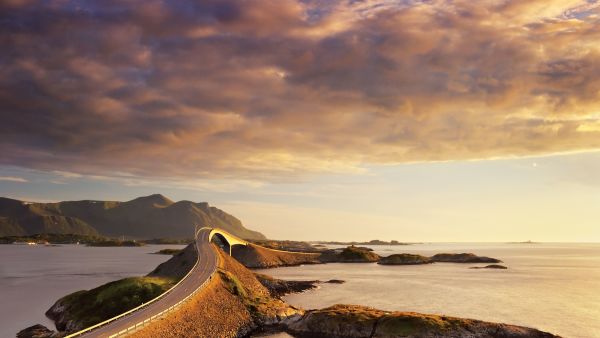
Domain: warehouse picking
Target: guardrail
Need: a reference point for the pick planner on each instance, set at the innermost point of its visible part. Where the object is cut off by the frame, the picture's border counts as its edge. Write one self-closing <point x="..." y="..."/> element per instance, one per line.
<point x="148" y="320"/>
<point x="143" y="323"/>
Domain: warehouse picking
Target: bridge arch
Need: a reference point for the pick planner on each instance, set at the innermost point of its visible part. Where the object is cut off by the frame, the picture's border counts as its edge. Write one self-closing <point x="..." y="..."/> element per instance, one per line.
<point x="226" y="238"/>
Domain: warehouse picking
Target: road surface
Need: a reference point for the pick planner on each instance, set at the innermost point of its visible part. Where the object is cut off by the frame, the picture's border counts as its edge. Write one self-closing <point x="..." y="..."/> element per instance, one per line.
<point x="207" y="264"/>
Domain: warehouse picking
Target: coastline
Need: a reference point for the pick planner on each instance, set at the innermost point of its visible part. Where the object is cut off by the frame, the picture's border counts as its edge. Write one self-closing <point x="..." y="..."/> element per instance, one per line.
<point x="258" y="319"/>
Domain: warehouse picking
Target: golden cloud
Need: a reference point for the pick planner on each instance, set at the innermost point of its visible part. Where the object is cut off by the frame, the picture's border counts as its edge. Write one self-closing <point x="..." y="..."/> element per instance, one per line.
<point x="268" y="90"/>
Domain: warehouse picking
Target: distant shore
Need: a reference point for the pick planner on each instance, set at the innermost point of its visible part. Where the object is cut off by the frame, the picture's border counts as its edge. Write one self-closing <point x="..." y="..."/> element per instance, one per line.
<point x="97" y="241"/>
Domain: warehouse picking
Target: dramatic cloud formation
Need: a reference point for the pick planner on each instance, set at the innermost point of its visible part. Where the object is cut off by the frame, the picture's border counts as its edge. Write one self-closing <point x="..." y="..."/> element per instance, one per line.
<point x="273" y="89"/>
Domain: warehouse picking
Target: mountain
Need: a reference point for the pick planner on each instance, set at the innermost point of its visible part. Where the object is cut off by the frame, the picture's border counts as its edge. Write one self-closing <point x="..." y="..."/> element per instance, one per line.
<point x="153" y="216"/>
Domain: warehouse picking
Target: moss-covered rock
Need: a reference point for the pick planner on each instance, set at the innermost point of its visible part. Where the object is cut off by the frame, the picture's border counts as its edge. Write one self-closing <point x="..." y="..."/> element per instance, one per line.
<point x="338" y="321"/>
<point x="353" y="321"/>
<point x="405" y="259"/>
<point x="463" y="258"/>
<point x="171" y="252"/>
<point x="351" y="254"/>
<point x="86" y="308"/>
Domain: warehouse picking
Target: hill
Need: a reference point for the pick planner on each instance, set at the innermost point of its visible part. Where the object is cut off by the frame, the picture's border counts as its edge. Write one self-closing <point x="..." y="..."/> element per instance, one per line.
<point x="153" y="216"/>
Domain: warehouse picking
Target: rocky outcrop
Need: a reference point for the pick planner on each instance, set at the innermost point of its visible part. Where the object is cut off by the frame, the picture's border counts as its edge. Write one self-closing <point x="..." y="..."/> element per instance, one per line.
<point x="404" y="259"/>
<point x="351" y="321"/>
<point x="280" y="287"/>
<point x="88" y="307"/>
<point x="178" y="265"/>
<point x="463" y="258"/>
<point x="335" y="281"/>
<point x="257" y="257"/>
<point x="37" y="331"/>
<point x="351" y="254"/>
<point x="491" y="266"/>
<point x="61" y="313"/>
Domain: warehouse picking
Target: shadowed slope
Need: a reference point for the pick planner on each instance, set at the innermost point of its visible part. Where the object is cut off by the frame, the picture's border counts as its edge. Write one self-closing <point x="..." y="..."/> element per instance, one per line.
<point x="151" y="216"/>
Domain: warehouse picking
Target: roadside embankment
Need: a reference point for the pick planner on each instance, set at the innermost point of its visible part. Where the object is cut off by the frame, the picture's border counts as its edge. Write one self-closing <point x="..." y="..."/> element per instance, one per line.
<point x="233" y="304"/>
<point x="255" y="257"/>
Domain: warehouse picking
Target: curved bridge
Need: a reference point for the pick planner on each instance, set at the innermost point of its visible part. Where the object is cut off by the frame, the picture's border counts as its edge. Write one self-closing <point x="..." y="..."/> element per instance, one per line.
<point x="226" y="237"/>
<point x="200" y="274"/>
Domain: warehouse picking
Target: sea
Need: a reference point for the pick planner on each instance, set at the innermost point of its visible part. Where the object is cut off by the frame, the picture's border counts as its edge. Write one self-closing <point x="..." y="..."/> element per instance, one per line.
<point x="33" y="277"/>
<point x="554" y="287"/>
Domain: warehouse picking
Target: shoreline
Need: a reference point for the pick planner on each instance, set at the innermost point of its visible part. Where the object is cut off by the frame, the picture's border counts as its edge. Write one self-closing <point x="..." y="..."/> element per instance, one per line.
<point x="238" y="295"/>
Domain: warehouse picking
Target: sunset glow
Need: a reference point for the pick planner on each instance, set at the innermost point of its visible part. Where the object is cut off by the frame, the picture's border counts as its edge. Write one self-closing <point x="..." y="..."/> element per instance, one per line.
<point x="419" y="120"/>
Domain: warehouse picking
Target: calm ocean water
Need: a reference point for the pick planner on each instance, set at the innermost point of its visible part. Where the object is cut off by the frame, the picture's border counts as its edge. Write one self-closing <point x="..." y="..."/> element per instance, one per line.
<point x="552" y="287"/>
<point x="32" y="278"/>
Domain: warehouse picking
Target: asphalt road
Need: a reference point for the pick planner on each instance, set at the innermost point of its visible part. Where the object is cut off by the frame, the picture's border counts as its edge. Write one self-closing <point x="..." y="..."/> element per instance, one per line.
<point x="202" y="272"/>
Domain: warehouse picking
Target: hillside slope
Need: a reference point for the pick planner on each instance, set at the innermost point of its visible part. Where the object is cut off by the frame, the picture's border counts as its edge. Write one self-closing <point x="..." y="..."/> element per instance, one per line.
<point x="153" y="216"/>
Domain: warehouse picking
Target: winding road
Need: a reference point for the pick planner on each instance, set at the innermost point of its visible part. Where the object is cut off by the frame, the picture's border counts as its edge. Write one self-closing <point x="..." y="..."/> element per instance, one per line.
<point x="202" y="271"/>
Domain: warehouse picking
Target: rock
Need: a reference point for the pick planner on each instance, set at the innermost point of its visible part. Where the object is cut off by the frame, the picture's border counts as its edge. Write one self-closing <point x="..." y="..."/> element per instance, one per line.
<point x="404" y="259"/>
<point x="36" y="331"/>
<point x="463" y="258"/>
<point x="351" y="254"/>
<point x="60" y="312"/>
<point x="491" y="266"/>
<point x="338" y="321"/>
<point x="170" y="252"/>
<point x="178" y="265"/>
<point x="279" y="287"/>
<point x="352" y="321"/>
<point x="335" y="281"/>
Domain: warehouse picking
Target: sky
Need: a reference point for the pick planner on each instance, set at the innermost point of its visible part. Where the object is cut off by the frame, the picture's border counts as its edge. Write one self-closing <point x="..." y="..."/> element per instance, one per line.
<point x="343" y="120"/>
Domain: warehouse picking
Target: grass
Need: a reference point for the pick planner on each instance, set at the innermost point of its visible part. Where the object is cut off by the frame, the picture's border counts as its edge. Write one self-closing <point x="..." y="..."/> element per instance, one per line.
<point x="408" y="324"/>
<point x="111" y="299"/>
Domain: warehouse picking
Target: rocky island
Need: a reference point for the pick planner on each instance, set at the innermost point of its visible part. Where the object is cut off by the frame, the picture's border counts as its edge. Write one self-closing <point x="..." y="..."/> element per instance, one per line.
<point x="491" y="266"/>
<point x="463" y="258"/>
<point x="404" y="259"/>
<point x="351" y="254"/>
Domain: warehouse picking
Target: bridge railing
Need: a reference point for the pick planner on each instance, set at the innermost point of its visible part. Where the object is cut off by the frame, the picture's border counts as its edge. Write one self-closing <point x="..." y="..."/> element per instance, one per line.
<point x="110" y="320"/>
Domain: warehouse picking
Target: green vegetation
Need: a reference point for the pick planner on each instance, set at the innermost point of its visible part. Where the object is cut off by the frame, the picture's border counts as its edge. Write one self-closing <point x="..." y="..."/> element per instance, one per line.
<point x="91" y="307"/>
<point x="407" y="324"/>
<point x="233" y="284"/>
<point x="172" y="252"/>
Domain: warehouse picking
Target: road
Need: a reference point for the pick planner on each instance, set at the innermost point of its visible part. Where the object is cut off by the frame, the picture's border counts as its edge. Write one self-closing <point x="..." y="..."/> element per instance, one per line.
<point x="200" y="273"/>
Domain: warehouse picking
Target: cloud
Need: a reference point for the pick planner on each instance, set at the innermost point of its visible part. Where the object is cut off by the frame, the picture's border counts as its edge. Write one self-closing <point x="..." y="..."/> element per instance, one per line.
<point x="271" y="90"/>
<point x="13" y="179"/>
